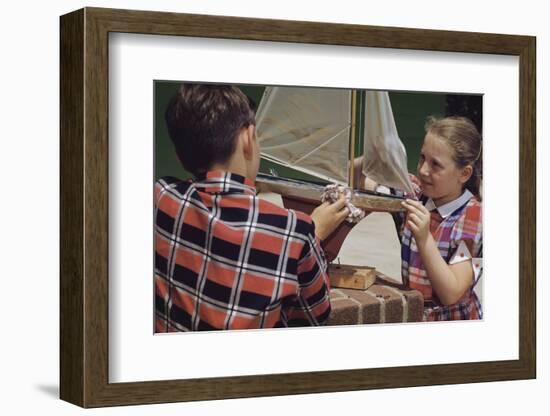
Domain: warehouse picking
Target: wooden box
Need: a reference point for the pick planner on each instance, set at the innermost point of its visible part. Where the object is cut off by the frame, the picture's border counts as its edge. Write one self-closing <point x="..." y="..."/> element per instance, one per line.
<point x="351" y="277"/>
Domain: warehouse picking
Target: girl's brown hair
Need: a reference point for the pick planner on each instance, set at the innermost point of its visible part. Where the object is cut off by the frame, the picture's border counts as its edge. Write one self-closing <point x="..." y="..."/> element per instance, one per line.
<point x="465" y="140"/>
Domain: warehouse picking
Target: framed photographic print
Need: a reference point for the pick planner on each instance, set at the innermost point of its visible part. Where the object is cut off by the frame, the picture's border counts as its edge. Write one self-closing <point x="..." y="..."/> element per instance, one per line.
<point x="115" y="65"/>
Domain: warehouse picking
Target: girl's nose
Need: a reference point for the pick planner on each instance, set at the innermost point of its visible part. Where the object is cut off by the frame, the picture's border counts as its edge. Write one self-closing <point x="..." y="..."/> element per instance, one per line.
<point x="423" y="169"/>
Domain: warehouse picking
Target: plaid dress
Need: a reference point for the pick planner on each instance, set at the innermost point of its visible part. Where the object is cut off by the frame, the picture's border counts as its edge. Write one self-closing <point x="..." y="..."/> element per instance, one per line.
<point x="225" y="259"/>
<point x="458" y="236"/>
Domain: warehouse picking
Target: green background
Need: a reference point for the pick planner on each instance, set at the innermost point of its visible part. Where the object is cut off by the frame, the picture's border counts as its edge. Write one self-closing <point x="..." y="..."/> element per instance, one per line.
<point x="410" y="111"/>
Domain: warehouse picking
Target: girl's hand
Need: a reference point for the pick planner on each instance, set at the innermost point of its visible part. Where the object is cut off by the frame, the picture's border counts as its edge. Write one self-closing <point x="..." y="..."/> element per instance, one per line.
<point x="418" y="220"/>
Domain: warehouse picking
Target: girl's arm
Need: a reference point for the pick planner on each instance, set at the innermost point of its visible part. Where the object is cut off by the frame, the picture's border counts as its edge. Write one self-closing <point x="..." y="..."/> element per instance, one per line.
<point x="449" y="282"/>
<point x="360" y="180"/>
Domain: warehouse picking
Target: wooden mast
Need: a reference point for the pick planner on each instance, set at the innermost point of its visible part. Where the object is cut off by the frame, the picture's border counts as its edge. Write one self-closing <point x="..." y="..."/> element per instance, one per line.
<point x="351" y="179"/>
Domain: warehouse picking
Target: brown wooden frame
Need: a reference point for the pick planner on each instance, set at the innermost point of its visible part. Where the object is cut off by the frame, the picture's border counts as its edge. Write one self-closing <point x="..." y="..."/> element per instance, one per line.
<point x="84" y="207"/>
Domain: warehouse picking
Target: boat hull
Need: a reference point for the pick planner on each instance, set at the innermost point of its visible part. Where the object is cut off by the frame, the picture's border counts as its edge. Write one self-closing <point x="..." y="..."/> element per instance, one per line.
<point x="333" y="243"/>
<point x="305" y="197"/>
<point x="367" y="201"/>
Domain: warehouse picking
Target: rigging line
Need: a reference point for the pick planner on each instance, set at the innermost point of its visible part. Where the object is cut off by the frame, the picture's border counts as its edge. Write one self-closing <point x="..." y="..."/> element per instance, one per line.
<point x="274" y="159"/>
<point x="265" y="102"/>
<point x="306" y="170"/>
<point x="323" y="145"/>
<point x="303" y="140"/>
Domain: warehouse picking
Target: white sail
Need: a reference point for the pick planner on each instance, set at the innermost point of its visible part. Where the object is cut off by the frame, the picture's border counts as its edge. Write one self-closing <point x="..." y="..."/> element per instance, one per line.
<point x="385" y="157"/>
<point x="307" y="129"/>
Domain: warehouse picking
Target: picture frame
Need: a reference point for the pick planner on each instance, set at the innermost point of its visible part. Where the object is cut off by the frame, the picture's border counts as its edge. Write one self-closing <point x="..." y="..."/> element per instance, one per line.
<point x="84" y="218"/>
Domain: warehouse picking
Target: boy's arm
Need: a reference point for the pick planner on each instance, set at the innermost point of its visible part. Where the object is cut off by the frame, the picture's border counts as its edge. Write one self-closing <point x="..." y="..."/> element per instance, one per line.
<point x="312" y="305"/>
<point x="327" y="217"/>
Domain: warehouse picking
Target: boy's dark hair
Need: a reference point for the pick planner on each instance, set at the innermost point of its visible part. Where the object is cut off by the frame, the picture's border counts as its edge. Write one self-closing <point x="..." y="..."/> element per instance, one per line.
<point x="203" y="121"/>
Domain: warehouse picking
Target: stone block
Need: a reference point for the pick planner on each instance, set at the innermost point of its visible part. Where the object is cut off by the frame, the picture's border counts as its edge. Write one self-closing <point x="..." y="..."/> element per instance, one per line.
<point x="386" y="301"/>
<point x="344" y="312"/>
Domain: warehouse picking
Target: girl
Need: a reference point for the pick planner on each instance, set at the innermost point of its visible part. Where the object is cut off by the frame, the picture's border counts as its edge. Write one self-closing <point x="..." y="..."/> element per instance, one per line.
<point x="441" y="239"/>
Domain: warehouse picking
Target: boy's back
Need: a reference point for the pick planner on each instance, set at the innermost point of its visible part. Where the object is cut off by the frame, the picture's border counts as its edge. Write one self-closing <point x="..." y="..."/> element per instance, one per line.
<point x="226" y="259"/>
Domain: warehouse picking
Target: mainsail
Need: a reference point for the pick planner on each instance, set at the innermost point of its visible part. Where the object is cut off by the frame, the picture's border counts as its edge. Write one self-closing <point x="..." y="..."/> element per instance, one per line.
<point x="384" y="157"/>
<point x="309" y="130"/>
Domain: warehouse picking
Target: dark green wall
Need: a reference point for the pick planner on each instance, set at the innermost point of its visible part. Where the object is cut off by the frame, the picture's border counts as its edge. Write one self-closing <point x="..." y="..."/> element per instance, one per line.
<point x="410" y="112"/>
<point x="166" y="161"/>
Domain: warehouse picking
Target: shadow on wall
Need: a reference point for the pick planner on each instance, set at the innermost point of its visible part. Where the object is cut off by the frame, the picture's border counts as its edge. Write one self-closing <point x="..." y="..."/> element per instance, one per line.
<point x="49" y="390"/>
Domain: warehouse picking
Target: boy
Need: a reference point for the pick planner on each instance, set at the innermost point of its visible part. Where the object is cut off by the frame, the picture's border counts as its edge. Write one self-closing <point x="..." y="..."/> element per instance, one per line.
<point x="225" y="259"/>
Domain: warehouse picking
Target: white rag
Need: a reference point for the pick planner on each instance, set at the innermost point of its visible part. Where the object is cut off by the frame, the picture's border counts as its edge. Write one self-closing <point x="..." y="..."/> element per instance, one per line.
<point x="333" y="192"/>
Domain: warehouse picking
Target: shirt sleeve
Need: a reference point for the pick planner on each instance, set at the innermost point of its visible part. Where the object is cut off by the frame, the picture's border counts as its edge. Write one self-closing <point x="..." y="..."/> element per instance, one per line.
<point x="159" y="189"/>
<point x="467" y="240"/>
<point x="463" y="254"/>
<point x="312" y="304"/>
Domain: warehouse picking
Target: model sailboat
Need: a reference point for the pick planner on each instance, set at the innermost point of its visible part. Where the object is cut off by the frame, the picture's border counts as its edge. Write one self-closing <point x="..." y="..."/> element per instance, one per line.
<point x="313" y="131"/>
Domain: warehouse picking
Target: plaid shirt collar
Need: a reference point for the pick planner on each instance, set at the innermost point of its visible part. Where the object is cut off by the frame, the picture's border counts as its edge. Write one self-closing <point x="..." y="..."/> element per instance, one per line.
<point x="221" y="182"/>
<point x="447" y="209"/>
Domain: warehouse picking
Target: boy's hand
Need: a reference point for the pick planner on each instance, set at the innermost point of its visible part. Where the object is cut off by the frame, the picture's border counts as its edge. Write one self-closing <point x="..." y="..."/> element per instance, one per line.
<point x="327" y="217"/>
<point x="418" y="220"/>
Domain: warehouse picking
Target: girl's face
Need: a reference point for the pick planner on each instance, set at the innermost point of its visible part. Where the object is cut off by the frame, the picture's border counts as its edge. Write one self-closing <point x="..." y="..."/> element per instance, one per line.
<point x="441" y="178"/>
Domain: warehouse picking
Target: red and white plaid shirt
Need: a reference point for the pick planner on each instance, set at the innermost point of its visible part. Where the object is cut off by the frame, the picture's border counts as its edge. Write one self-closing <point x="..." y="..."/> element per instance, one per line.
<point x="458" y="232"/>
<point x="226" y="259"/>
